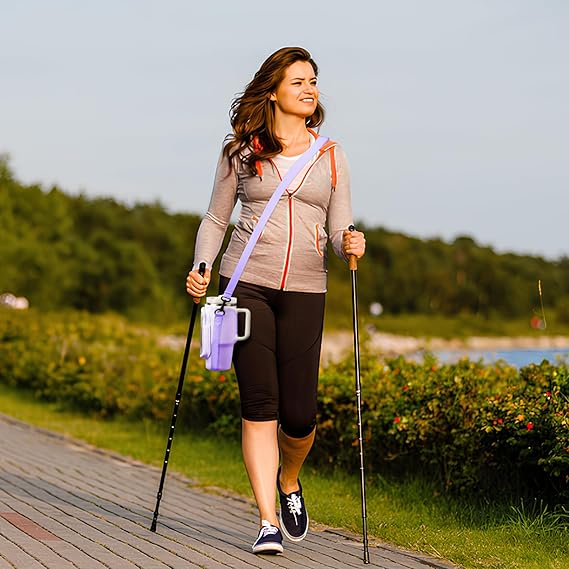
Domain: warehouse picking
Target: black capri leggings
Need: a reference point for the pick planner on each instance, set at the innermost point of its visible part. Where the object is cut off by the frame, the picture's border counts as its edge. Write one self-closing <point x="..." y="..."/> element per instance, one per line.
<point x="277" y="366"/>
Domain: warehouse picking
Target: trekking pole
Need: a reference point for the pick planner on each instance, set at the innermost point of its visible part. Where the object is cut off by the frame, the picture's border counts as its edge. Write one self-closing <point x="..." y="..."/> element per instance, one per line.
<point x="353" y="264"/>
<point x="176" y="406"/>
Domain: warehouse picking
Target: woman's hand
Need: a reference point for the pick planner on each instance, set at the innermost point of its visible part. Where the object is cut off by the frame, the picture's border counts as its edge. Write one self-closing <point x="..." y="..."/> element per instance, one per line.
<point x="353" y="243"/>
<point x="196" y="285"/>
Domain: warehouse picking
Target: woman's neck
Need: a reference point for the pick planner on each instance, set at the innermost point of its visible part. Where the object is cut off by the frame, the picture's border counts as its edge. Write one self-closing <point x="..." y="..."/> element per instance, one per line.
<point x="293" y="134"/>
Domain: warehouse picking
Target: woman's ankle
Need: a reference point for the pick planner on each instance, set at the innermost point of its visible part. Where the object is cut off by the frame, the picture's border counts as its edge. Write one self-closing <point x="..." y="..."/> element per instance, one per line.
<point x="288" y="484"/>
<point x="269" y="517"/>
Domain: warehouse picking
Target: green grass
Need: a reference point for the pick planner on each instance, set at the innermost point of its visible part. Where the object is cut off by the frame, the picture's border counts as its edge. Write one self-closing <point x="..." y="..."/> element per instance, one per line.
<point x="461" y="326"/>
<point x="408" y="513"/>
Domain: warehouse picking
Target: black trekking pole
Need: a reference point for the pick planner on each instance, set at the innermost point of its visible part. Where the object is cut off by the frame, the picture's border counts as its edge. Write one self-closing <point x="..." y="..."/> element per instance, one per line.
<point x="176" y="406"/>
<point x="353" y="264"/>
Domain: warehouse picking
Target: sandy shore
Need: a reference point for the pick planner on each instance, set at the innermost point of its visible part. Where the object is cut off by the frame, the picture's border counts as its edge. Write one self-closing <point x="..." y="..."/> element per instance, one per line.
<point x="336" y="344"/>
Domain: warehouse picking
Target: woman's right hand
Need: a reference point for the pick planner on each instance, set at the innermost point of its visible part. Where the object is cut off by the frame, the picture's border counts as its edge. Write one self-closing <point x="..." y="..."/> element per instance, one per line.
<point x="196" y="285"/>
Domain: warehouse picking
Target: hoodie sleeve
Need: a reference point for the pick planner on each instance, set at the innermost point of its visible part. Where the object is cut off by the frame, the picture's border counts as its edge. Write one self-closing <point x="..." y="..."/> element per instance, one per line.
<point x="340" y="207"/>
<point x="214" y="225"/>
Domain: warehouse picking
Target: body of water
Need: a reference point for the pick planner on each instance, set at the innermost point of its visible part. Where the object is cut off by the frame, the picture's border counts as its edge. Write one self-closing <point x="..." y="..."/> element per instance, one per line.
<point x="518" y="358"/>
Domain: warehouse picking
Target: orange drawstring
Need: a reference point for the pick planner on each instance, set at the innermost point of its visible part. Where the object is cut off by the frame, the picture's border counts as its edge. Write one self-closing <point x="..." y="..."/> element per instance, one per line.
<point x="333" y="167"/>
<point x="257" y="148"/>
<point x="331" y="145"/>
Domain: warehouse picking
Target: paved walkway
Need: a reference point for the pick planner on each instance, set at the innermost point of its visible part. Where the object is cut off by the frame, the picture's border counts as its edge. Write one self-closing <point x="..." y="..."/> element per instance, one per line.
<point x="65" y="504"/>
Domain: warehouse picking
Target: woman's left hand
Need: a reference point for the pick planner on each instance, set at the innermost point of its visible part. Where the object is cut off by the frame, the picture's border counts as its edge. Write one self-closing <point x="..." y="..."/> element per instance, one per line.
<point x="353" y="243"/>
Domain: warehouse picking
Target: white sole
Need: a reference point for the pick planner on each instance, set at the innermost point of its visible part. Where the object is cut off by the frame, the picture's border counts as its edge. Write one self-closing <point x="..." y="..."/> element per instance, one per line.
<point x="290" y="537"/>
<point x="273" y="548"/>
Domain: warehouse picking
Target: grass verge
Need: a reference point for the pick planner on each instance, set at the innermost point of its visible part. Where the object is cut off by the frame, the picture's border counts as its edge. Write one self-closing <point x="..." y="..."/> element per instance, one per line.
<point x="462" y="326"/>
<point x="407" y="513"/>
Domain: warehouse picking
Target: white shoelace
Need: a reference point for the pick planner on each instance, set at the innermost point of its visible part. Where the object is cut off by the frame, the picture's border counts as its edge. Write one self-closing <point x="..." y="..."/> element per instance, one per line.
<point x="294" y="506"/>
<point x="267" y="529"/>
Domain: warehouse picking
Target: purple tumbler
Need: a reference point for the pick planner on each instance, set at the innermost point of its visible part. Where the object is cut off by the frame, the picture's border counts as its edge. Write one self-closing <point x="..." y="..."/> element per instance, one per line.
<point x="219" y="331"/>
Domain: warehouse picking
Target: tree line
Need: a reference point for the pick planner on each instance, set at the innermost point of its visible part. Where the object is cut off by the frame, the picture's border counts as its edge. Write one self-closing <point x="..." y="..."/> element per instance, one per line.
<point x="97" y="254"/>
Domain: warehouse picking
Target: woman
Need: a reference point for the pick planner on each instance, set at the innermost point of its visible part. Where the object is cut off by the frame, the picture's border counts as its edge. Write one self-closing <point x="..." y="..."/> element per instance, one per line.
<point x="284" y="281"/>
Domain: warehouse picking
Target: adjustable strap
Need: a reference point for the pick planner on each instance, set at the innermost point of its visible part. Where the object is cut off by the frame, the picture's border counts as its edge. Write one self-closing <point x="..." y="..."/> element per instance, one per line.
<point x="216" y="334"/>
<point x="272" y="203"/>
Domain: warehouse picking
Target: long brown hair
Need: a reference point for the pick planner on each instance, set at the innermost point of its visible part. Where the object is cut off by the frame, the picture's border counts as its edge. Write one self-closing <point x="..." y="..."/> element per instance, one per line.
<point x="252" y="113"/>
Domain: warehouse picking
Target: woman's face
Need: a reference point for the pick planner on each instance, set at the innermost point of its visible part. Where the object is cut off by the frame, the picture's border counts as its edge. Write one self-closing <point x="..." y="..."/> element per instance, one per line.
<point x="297" y="93"/>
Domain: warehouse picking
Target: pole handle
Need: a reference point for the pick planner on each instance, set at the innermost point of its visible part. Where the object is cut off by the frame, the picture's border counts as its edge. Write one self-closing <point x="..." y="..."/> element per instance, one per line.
<point x="201" y="271"/>
<point x="352" y="259"/>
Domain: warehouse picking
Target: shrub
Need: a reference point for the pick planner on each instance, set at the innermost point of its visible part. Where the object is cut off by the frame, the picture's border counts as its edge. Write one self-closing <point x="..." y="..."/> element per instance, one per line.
<point x="472" y="427"/>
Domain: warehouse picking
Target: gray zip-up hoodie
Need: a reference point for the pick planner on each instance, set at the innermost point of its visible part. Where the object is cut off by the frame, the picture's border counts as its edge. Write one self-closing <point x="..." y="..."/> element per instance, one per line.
<point x="291" y="252"/>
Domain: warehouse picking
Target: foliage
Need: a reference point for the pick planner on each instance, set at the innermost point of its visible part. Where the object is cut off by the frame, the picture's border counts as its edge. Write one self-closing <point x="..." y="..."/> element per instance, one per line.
<point x="64" y="251"/>
<point x="467" y="427"/>
<point x="92" y="254"/>
<point x="471" y="426"/>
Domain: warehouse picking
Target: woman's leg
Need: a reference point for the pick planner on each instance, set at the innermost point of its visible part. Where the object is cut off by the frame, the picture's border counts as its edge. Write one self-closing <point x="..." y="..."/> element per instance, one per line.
<point x="299" y="319"/>
<point x="299" y="334"/>
<point x="255" y="365"/>
<point x="293" y="453"/>
<point x="261" y="457"/>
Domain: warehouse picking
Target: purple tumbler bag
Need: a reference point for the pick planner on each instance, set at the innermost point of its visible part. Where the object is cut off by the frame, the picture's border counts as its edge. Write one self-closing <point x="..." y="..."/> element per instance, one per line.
<point x="219" y="332"/>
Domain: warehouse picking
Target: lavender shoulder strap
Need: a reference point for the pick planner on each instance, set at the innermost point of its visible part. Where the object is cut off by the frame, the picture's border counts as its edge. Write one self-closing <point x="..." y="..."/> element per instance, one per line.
<point x="272" y="203"/>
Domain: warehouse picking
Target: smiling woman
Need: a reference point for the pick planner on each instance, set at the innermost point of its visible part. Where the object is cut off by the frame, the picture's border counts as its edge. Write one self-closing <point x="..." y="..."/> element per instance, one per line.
<point x="280" y="91"/>
<point x="283" y="283"/>
<point x="296" y="96"/>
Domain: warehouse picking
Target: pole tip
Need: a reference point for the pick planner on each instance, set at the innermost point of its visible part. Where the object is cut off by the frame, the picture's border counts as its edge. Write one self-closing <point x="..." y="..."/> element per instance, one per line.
<point x="153" y="526"/>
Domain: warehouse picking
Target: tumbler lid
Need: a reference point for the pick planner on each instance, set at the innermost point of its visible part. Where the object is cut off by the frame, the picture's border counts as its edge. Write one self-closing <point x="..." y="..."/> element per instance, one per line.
<point x="218" y="300"/>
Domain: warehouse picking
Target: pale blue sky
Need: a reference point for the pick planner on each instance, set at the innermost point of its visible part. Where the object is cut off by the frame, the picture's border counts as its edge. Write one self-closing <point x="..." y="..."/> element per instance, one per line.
<point x="454" y="113"/>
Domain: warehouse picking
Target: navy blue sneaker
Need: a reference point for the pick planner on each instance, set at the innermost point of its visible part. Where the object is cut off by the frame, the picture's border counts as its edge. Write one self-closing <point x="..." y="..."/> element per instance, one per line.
<point x="270" y="539"/>
<point x="293" y="515"/>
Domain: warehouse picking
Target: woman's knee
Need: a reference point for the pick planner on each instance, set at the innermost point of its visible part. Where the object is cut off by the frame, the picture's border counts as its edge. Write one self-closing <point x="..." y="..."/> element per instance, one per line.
<point x="259" y="410"/>
<point x="297" y="429"/>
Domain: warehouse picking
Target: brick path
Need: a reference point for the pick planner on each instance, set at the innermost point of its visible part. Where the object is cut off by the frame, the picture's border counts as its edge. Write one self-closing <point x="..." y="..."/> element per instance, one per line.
<point x="65" y="504"/>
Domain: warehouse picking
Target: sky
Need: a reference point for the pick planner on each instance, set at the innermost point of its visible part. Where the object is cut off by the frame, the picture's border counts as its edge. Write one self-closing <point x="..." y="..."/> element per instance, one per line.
<point x="454" y="113"/>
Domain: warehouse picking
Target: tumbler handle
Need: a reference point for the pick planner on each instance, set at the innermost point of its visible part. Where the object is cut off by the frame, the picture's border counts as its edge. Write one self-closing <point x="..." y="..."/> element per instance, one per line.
<point x="247" y="331"/>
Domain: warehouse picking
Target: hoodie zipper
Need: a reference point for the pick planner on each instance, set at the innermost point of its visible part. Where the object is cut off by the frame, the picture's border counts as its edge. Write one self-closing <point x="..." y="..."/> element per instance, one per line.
<point x="290" y="241"/>
<point x="290" y="197"/>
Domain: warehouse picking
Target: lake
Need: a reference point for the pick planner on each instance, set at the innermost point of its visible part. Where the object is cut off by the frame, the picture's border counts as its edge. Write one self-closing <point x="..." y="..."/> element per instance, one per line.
<point x="518" y="358"/>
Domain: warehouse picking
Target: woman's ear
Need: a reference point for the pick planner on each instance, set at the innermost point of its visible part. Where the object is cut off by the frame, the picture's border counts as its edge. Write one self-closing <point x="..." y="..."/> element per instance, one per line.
<point x="273" y="97"/>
